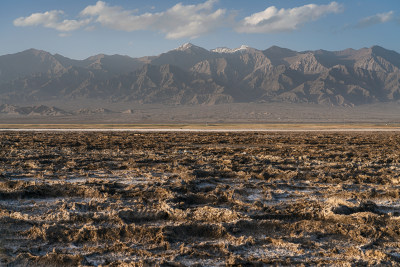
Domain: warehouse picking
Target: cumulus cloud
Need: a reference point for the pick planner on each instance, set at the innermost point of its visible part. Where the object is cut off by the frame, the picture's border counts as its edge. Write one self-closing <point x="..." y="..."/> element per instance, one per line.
<point x="375" y="19"/>
<point x="176" y="22"/>
<point x="279" y="20"/>
<point x="51" y="19"/>
<point x="181" y="20"/>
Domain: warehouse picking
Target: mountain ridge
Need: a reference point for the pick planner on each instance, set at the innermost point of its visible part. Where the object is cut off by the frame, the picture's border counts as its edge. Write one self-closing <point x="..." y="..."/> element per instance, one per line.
<point x="191" y="74"/>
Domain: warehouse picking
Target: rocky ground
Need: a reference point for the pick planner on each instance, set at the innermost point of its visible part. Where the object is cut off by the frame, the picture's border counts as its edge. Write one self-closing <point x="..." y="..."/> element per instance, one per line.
<point x="208" y="199"/>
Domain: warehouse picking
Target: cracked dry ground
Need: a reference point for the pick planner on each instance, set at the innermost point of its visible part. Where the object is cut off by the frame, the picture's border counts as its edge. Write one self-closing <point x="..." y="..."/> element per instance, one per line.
<point x="208" y="199"/>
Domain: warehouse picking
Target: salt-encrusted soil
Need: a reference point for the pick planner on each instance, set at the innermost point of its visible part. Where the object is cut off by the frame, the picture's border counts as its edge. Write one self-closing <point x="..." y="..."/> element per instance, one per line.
<point x="187" y="198"/>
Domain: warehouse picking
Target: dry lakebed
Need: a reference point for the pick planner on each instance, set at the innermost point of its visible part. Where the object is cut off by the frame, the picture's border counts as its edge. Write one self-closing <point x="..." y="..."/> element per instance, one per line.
<point x="104" y="198"/>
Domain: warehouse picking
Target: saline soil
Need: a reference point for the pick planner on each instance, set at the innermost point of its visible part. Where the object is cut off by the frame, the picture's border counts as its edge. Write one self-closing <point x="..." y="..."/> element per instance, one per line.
<point x="199" y="198"/>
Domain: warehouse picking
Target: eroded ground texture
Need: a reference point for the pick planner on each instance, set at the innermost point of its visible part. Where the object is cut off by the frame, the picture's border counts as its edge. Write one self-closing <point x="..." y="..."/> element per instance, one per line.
<point x="211" y="199"/>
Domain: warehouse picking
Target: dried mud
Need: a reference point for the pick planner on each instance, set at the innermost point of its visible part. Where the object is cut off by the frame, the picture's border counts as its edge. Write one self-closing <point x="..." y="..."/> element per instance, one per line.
<point x="207" y="199"/>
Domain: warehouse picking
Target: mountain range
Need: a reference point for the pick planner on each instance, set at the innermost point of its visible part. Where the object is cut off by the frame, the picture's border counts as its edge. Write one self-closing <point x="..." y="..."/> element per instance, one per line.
<point x="43" y="110"/>
<point x="190" y="74"/>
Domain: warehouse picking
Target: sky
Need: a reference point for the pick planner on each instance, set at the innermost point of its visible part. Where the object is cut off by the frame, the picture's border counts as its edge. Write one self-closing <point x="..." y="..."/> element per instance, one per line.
<point x="81" y="28"/>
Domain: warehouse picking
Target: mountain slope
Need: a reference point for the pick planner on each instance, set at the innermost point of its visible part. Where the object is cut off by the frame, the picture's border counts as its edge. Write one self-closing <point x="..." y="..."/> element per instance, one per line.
<point x="194" y="75"/>
<point x="28" y="62"/>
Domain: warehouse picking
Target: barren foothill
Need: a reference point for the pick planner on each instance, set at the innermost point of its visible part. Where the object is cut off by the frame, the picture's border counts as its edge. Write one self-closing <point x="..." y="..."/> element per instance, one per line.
<point x="207" y="198"/>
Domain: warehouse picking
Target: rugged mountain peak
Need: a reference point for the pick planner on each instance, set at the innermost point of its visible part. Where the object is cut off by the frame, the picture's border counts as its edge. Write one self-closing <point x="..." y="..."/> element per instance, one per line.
<point x="389" y="55"/>
<point x="379" y="49"/>
<point x="278" y="54"/>
<point x="38" y="54"/>
<point x="226" y="50"/>
<point x="32" y="52"/>
<point x="189" y="47"/>
<point x="377" y="59"/>
<point x="185" y="56"/>
<point x="28" y="62"/>
<point x="308" y="64"/>
<point x="185" y="46"/>
<point x="279" y="51"/>
<point x="96" y="58"/>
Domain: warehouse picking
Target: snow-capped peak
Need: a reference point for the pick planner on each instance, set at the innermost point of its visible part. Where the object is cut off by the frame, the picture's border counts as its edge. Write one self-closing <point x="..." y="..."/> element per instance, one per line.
<point x="184" y="47"/>
<point x="229" y="50"/>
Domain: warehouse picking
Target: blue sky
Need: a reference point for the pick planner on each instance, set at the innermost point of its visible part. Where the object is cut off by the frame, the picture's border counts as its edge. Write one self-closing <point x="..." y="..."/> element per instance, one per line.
<point x="79" y="29"/>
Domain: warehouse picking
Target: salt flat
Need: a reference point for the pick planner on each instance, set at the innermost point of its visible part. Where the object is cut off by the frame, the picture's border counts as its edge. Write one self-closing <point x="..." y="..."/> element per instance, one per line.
<point x="70" y="198"/>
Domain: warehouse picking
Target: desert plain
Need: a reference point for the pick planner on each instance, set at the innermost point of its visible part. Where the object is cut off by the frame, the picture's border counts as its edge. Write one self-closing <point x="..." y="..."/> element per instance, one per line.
<point x="199" y="198"/>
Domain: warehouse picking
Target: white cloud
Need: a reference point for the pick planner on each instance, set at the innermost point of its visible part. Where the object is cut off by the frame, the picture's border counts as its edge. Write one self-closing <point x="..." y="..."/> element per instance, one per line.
<point x="176" y="22"/>
<point x="278" y="20"/>
<point x="51" y="19"/>
<point x="181" y="20"/>
<point x="375" y="19"/>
